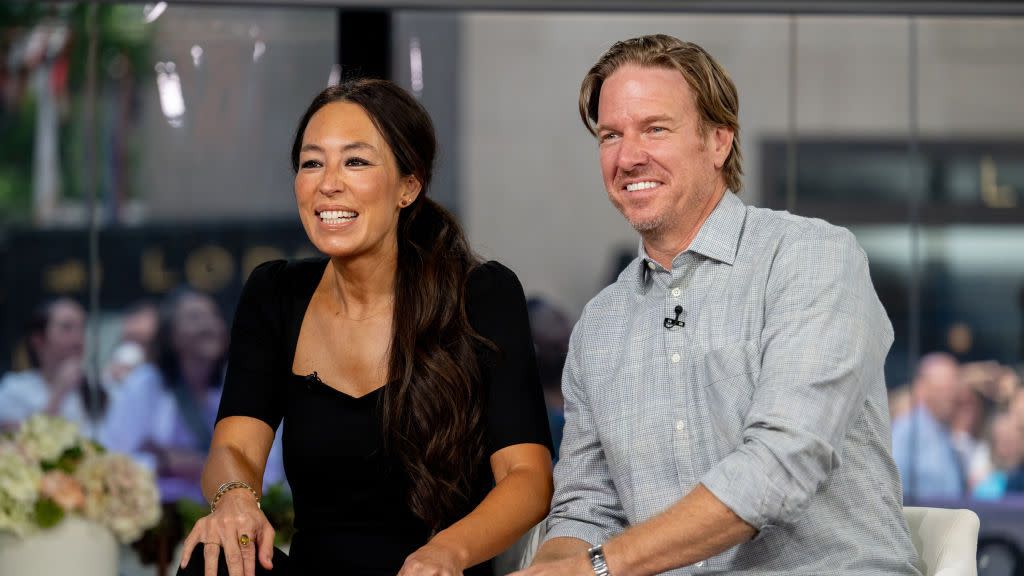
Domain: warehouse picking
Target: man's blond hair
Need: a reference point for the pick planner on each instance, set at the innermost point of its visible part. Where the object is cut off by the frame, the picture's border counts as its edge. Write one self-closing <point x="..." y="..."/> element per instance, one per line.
<point x="714" y="93"/>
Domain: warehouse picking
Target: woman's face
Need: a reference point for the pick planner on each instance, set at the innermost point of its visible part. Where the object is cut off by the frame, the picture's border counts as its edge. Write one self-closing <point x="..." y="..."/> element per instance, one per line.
<point x="348" y="188"/>
<point x="199" y="331"/>
<point x="64" y="337"/>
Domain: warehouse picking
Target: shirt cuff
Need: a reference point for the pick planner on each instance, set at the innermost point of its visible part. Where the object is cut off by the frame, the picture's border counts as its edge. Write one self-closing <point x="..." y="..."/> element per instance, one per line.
<point x="740" y="483"/>
<point x="562" y="528"/>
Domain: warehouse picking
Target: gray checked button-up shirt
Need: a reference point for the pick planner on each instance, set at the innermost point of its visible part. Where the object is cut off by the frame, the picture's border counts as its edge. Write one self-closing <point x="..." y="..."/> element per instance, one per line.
<point x="772" y="396"/>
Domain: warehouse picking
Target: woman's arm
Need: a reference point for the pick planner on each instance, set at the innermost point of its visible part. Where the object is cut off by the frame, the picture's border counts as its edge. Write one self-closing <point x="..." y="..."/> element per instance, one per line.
<point x="238" y="452"/>
<point x="519" y="499"/>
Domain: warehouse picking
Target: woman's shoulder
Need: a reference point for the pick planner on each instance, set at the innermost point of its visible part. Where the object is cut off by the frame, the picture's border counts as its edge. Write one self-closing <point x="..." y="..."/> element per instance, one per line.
<point x="490" y="276"/>
<point x="491" y="282"/>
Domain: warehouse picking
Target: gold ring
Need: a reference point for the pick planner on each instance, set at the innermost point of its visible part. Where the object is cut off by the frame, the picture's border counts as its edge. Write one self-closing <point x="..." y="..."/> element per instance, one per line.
<point x="243" y="540"/>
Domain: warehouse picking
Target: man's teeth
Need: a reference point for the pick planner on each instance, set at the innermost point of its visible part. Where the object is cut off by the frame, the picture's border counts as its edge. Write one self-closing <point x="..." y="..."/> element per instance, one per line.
<point x="337" y="216"/>
<point x="641" y="186"/>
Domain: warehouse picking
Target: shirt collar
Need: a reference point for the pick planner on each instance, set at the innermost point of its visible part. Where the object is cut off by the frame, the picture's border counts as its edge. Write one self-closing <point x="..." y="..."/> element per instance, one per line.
<point x="718" y="238"/>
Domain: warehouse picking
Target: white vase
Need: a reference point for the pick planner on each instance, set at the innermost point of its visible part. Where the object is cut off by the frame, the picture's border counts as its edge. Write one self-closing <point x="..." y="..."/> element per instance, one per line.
<point x="74" y="546"/>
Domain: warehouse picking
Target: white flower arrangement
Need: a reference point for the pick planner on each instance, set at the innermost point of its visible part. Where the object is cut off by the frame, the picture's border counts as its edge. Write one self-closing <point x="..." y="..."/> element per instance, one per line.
<point x="47" y="470"/>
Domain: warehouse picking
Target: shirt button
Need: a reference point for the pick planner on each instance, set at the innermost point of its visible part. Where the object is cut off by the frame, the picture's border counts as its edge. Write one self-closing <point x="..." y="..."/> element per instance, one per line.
<point x="650" y="265"/>
<point x="699" y="564"/>
<point x="676" y="292"/>
<point x="680" y="425"/>
<point x="675" y="358"/>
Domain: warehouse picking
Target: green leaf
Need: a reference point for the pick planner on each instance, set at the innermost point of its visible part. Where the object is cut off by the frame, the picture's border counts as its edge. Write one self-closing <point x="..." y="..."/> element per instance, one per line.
<point x="48" y="513"/>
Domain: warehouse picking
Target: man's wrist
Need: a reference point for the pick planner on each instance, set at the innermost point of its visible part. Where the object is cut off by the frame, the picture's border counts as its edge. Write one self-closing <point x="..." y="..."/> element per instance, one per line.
<point x="598" y="561"/>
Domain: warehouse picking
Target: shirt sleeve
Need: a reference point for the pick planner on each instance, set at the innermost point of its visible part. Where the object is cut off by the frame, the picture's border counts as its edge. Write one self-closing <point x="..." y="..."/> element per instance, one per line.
<point x="824" y="344"/>
<point x="585" y="505"/>
<point x="257" y="349"/>
<point x="496" y="309"/>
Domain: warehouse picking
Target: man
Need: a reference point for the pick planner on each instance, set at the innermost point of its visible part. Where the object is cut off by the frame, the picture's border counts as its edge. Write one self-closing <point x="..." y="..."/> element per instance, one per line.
<point x="725" y="398"/>
<point x="922" y="441"/>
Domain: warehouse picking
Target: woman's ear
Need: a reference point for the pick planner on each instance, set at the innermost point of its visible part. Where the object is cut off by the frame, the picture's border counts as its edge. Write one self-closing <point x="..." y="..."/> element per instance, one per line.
<point x="410" y="190"/>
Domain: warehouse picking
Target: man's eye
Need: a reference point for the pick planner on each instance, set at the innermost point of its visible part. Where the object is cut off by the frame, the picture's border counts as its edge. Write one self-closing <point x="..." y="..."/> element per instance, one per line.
<point x="608" y="136"/>
<point x="656" y="129"/>
<point x="311" y="164"/>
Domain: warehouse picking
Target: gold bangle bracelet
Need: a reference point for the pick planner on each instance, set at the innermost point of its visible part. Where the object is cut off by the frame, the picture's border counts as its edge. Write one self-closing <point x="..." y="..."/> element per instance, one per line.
<point x="227" y="487"/>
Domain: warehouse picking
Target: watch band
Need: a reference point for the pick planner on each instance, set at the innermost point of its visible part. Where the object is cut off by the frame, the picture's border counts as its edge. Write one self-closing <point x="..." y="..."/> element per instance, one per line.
<point x="598" y="561"/>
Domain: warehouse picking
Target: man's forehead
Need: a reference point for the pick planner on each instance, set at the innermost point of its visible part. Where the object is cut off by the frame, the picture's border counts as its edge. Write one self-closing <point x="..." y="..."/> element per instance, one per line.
<point x="640" y="99"/>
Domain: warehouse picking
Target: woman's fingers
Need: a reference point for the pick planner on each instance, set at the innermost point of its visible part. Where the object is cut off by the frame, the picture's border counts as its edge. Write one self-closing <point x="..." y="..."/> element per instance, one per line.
<point x="190" y="542"/>
<point x="266" y="543"/>
<point x="247" y="547"/>
<point x="211" y="553"/>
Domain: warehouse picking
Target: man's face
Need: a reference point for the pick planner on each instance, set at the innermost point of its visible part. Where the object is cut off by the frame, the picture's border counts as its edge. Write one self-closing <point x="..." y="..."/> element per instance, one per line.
<point x="655" y="164"/>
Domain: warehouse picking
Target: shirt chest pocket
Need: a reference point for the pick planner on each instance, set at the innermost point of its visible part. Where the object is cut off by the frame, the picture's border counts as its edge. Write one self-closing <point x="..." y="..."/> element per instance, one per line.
<point x="730" y="376"/>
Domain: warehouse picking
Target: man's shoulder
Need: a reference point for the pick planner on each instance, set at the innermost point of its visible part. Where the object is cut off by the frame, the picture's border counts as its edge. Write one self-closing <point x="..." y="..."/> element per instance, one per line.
<point x="793" y="229"/>
<point x="798" y="244"/>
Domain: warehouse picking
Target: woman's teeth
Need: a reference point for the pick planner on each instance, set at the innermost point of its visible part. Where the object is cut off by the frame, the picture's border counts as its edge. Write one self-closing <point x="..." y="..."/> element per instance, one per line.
<point x="337" y="216"/>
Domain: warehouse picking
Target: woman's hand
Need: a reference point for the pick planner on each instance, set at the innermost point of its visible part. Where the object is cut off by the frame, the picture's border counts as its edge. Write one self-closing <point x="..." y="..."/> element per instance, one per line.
<point x="238" y="527"/>
<point x="432" y="559"/>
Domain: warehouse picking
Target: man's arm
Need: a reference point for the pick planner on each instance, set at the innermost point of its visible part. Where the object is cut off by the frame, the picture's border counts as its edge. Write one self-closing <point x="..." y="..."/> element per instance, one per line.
<point x="585" y="508"/>
<point x="697" y="527"/>
<point x="825" y="338"/>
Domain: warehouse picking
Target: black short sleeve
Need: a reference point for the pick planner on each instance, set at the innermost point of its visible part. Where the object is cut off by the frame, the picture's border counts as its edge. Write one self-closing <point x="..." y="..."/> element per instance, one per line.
<point x="496" y="308"/>
<point x="258" y="346"/>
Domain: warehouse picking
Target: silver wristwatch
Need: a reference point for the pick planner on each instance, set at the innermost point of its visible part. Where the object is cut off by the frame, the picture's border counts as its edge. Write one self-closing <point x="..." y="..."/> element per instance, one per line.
<point x="597" y="561"/>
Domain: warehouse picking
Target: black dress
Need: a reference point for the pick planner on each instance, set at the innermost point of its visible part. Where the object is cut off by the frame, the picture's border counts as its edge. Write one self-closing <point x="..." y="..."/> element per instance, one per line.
<point x="351" y="515"/>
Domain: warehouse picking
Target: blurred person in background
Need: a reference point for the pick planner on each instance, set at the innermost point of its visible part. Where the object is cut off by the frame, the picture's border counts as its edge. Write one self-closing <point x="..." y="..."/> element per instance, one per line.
<point x="550" y="328"/>
<point x="139" y="325"/>
<point x="1006" y="440"/>
<point x="922" y="441"/>
<point x="164" y="412"/>
<point x="55" y="383"/>
<point x="900" y="402"/>
<point x="967" y="431"/>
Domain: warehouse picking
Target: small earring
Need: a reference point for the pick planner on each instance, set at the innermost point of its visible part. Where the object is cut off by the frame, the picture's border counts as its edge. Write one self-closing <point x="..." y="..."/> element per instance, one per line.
<point x="403" y="203"/>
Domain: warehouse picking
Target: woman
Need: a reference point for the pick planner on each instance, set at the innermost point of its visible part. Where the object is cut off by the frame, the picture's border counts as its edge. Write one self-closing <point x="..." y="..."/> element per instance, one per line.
<point x="163" y="413"/>
<point x="56" y="383"/>
<point x="415" y="436"/>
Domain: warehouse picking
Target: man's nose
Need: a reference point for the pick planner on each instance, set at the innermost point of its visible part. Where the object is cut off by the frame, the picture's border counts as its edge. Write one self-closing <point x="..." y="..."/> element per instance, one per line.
<point x="632" y="152"/>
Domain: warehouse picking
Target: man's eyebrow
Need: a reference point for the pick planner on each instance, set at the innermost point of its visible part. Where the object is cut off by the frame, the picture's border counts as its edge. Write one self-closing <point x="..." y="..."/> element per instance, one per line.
<point x="647" y="120"/>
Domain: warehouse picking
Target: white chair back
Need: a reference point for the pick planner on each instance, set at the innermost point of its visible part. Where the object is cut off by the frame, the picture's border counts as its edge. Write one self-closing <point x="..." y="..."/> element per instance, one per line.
<point x="946" y="540"/>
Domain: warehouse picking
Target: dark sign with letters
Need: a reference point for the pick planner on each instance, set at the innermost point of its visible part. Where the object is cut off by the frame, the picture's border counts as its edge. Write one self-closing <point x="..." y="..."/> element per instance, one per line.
<point x="136" y="264"/>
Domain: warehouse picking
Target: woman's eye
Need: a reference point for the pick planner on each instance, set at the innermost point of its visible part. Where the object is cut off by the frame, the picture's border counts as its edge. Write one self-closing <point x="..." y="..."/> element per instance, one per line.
<point x="356" y="162"/>
<point x="311" y="164"/>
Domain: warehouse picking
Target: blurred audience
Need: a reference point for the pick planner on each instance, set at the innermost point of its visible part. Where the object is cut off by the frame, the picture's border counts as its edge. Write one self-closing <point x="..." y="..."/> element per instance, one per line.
<point x="55" y="383"/>
<point x="550" y="328"/>
<point x="922" y="440"/>
<point x="900" y="402"/>
<point x="164" y="411"/>
<point x="1007" y="452"/>
<point x="136" y="345"/>
<point x="970" y="417"/>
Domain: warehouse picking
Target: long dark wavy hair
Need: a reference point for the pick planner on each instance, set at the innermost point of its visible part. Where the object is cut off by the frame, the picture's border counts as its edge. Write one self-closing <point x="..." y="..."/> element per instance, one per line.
<point x="432" y="413"/>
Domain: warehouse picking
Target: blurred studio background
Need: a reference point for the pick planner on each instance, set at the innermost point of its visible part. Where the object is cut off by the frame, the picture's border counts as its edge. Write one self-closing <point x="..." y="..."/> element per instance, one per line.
<point x="144" y="173"/>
